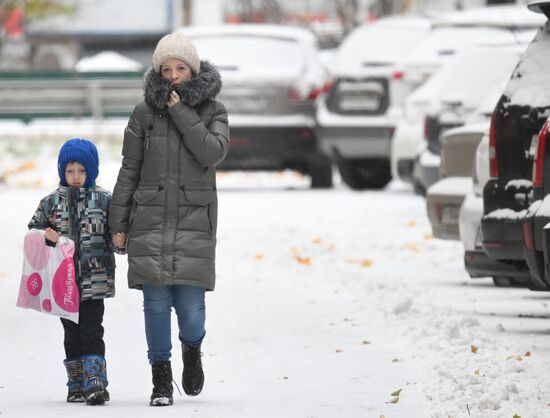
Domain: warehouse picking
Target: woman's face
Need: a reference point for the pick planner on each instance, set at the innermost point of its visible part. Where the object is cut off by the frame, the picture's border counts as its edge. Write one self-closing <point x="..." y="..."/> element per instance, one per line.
<point x="175" y="70"/>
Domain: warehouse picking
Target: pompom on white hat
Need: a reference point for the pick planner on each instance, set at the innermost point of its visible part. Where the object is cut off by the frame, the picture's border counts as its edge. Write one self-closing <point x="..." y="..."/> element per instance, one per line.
<point x="176" y="45"/>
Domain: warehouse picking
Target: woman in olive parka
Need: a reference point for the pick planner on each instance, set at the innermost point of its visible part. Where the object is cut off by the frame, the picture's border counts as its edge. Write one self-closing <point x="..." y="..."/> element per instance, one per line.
<point x="165" y="204"/>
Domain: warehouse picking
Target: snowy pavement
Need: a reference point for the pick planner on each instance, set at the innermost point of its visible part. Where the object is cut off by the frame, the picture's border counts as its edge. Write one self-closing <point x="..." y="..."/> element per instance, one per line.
<point x="328" y="304"/>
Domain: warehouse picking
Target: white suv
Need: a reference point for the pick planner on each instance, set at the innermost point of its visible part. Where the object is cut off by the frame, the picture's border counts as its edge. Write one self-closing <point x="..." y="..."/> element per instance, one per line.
<point x="353" y="122"/>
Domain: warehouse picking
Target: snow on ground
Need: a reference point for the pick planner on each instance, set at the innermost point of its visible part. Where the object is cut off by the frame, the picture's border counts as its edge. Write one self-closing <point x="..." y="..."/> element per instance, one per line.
<point x="329" y="303"/>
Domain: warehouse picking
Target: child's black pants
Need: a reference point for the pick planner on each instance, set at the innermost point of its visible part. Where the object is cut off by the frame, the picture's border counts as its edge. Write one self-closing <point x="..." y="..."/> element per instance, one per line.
<point x="86" y="337"/>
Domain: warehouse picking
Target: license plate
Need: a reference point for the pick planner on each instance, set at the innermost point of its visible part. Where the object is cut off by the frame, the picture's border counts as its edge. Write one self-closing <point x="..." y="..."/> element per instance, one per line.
<point x="359" y="103"/>
<point x="244" y="105"/>
<point x="449" y="215"/>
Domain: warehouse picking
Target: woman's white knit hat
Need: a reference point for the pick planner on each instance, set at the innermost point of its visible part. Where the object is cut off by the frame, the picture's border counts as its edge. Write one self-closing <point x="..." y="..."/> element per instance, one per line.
<point x="176" y="45"/>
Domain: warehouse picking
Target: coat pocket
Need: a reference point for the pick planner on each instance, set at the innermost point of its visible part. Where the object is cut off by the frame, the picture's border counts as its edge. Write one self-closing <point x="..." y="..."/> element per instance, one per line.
<point x="199" y="211"/>
<point x="200" y="196"/>
<point x="148" y="208"/>
<point x="144" y="195"/>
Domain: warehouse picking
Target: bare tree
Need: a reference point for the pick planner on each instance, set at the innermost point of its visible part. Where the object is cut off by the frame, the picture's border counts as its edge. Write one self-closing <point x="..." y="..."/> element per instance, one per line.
<point x="187" y="12"/>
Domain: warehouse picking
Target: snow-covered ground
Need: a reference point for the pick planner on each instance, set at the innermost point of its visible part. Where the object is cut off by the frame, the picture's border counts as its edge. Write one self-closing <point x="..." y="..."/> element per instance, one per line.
<point x="328" y="304"/>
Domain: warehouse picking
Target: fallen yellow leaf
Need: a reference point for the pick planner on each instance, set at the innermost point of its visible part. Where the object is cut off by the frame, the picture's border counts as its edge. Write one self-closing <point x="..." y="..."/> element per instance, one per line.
<point x="317" y="240"/>
<point x="428" y="237"/>
<point x="366" y="262"/>
<point x="411" y="224"/>
<point x="306" y="261"/>
<point x="259" y="257"/>
<point x="409" y="246"/>
<point x="477" y="372"/>
<point x="473" y="349"/>
<point x="396" y="393"/>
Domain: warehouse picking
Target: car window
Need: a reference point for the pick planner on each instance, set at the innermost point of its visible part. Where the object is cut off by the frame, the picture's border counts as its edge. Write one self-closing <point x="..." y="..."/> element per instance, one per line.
<point x="248" y="54"/>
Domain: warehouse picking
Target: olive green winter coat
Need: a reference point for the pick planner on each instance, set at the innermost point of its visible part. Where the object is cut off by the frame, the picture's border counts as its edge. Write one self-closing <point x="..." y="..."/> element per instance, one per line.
<point x="165" y="196"/>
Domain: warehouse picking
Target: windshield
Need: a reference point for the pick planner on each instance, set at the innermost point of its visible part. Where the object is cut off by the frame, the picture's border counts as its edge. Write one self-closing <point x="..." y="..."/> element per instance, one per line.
<point x="251" y="53"/>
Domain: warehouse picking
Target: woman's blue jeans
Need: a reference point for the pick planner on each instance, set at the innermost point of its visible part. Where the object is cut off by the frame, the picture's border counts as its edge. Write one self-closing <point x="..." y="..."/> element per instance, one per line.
<point x="188" y="302"/>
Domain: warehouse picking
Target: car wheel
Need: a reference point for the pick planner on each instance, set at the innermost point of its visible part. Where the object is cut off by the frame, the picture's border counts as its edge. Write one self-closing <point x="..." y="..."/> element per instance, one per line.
<point x="320" y="170"/>
<point x="418" y="188"/>
<point x="362" y="174"/>
<point x="503" y="281"/>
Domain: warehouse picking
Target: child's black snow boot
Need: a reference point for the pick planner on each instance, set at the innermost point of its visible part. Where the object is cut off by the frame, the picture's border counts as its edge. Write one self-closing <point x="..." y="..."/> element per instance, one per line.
<point x="75" y="382"/>
<point x="193" y="376"/>
<point x="162" y="384"/>
<point x="95" y="380"/>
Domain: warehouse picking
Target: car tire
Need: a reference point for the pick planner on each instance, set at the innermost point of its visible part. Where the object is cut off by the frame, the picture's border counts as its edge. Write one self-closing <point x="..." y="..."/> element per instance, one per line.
<point x="320" y="171"/>
<point x="360" y="174"/>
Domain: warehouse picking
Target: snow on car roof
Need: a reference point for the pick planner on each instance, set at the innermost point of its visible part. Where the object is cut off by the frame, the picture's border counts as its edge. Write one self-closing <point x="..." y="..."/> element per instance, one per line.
<point x="445" y="41"/>
<point x="261" y="30"/>
<point x="509" y="16"/>
<point x="380" y="43"/>
<point x="530" y="83"/>
<point x="474" y="71"/>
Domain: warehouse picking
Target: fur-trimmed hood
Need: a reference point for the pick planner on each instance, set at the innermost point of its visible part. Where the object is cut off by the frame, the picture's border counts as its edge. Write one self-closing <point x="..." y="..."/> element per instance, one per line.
<point x="206" y="85"/>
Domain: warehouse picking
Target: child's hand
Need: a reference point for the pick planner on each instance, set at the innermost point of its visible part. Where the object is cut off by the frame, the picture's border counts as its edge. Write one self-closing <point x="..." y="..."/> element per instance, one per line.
<point x="119" y="239"/>
<point x="51" y="235"/>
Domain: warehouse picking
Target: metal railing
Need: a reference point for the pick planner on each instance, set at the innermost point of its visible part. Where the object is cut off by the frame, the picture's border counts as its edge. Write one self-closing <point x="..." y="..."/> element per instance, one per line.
<point x="27" y="96"/>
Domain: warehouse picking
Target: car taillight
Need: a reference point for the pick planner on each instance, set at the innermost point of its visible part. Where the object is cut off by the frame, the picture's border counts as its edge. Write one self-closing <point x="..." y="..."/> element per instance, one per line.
<point x="493" y="163"/>
<point x="313" y="94"/>
<point x="538" y="163"/>
<point x="398" y="75"/>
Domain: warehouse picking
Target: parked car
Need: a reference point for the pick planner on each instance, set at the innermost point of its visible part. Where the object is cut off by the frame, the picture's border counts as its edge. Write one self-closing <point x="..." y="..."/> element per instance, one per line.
<point x="476" y="261"/>
<point x="452" y="33"/>
<point x="457" y="167"/>
<point x="354" y="125"/>
<point x="444" y="198"/>
<point x="538" y="213"/>
<point x="466" y="81"/>
<point x="272" y="76"/>
<point x="508" y="195"/>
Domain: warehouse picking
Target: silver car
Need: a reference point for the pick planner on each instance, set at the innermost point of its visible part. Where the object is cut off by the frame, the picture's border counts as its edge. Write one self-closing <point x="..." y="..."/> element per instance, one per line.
<point x="272" y="76"/>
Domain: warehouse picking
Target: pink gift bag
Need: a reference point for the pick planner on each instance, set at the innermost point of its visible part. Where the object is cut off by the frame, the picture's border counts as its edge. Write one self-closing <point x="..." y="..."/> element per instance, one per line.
<point x="48" y="282"/>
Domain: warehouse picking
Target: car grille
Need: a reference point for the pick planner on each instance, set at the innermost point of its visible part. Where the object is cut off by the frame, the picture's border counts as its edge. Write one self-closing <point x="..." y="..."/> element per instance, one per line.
<point x="368" y="96"/>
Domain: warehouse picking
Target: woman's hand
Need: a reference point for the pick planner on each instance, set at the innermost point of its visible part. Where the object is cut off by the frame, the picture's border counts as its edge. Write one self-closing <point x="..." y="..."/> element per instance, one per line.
<point x="119" y="239"/>
<point x="51" y="235"/>
<point x="174" y="99"/>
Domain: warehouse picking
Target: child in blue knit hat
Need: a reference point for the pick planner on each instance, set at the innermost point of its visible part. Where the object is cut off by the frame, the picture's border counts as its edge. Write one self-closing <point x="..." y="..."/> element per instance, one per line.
<point x="78" y="209"/>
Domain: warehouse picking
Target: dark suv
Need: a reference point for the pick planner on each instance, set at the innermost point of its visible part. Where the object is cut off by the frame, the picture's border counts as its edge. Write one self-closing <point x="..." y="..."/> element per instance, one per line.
<point x="508" y="195"/>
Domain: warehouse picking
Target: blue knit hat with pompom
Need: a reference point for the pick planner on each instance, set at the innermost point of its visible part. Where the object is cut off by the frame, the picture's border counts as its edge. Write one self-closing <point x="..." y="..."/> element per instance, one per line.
<point x="83" y="151"/>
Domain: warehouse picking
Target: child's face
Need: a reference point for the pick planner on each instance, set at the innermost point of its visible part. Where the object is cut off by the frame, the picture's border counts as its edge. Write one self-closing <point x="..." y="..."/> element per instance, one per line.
<point x="75" y="174"/>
